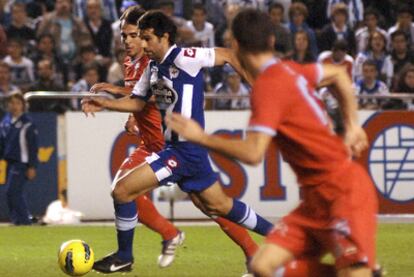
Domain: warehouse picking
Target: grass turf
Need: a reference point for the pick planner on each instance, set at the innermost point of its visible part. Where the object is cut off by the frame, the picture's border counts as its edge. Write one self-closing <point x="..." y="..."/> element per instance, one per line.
<point x="32" y="251"/>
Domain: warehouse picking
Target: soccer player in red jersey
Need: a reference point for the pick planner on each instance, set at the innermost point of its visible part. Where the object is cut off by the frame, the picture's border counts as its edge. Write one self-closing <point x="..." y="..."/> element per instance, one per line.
<point x="148" y="124"/>
<point x="338" y="211"/>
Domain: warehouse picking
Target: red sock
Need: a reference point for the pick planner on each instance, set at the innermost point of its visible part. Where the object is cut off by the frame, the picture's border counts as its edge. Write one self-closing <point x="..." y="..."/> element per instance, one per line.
<point x="308" y="268"/>
<point x="150" y="217"/>
<point x="239" y="235"/>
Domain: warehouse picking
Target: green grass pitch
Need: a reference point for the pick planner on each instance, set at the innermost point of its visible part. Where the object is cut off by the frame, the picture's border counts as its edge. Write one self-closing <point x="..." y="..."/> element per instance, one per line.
<point x="32" y="251"/>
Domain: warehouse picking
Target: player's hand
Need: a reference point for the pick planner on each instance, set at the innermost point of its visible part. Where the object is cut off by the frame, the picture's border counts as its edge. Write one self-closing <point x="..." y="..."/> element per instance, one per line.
<point x="131" y="126"/>
<point x="355" y="139"/>
<point x="31" y="173"/>
<point x="92" y="105"/>
<point x="99" y="87"/>
<point x="187" y="128"/>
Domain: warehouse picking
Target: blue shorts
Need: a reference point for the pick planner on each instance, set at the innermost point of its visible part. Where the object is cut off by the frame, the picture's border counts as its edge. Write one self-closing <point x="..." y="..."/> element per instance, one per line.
<point x="183" y="163"/>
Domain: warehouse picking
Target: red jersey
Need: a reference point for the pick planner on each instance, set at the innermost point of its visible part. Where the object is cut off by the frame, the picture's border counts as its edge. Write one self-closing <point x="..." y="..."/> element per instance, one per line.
<point x="284" y="105"/>
<point x="149" y="119"/>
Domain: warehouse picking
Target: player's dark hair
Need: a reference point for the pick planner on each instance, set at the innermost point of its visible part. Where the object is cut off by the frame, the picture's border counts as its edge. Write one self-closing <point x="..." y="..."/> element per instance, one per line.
<point x="253" y="30"/>
<point x="160" y="23"/>
<point x="131" y="15"/>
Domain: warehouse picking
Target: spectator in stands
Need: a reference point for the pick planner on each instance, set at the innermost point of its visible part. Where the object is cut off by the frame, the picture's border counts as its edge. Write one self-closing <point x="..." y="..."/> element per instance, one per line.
<point x="203" y="30"/>
<point x="89" y="78"/>
<point x="108" y="7"/>
<point x="47" y="82"/>
<point x="19" y="147"/>
<point x="371" y="25"/>
<point x="21" y="67"/>
<point x="99" y="28"/>
<point x="283" y="38"/>
<point x="232" y="85"/>
<point x="297" y="16"/>
<point x="20" y="27"/>
<point x="3" y="42"/>
<point x="377" y="52"/>
<point x="355" y="10"/>
<point x="401" y="55"/>
<point x="69" y="32"/>
<point x="405" y="85"/>
<point x="302" y="52"/>
<point x="405" y="24"/>
<point x="370" y="85"/>
<point x="45" y="49"/>
<point x="6" y="88"/>
<point x="338" y="29"/>
<point x="116" y="72"/>
<point x="88" y="56"/>
<point x="339" y="56"/>
<point x="184" y="35"/>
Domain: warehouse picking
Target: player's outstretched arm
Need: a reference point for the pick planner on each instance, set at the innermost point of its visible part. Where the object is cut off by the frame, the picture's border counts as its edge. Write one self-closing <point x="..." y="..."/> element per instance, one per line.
<point x="250" y="150"/>
<point x="226" y="55"/>
<point x="110" y="88"/>
<point x="354" y="137"/>
<point x="124" y="104"/>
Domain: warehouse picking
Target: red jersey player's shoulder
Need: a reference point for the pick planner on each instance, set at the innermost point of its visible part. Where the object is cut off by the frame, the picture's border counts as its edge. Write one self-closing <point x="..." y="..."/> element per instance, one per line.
<point x="313" y="72"/>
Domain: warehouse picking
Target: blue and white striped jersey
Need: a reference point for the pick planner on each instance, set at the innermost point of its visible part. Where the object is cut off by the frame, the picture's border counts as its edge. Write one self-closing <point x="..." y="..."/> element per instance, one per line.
<point x="177" y="84"/>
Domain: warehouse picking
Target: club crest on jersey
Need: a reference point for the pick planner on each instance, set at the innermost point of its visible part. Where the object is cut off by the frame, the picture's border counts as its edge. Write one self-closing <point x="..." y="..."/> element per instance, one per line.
<point x="190" y="52"/>
<point x="173" y="72"/>
<point x="165" y="96"/>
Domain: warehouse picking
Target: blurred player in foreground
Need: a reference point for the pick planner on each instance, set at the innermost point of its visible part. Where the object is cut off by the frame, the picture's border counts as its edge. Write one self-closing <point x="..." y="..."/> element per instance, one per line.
<point x="338" y="211"/>
<point x="148" y="123"/>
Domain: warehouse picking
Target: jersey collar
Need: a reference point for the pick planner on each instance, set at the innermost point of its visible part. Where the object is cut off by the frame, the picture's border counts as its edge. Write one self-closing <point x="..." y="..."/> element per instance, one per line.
<point x="168" y="52"/>
<point x="269" y="63"/>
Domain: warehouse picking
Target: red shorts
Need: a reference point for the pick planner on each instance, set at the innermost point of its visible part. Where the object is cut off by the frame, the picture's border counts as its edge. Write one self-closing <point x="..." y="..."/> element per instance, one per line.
<point x="337" y="216"/>
<point x="135" y="158"/>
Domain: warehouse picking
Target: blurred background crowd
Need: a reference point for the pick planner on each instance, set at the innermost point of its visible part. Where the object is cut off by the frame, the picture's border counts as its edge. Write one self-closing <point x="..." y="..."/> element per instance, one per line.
<point x="69" y="45"/>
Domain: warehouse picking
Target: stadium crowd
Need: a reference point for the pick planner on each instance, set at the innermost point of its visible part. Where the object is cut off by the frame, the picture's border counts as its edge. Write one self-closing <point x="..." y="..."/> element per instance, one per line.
<point x="69" y="45"/>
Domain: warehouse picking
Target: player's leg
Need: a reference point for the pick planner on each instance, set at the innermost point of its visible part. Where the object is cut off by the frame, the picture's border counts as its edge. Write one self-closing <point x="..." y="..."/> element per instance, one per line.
<point x="306" y="266"/>
<point x="16" y="180"/>
<point x="126" y="216"/>
<point x="234" y="231"/>
<point x="353" y="229"/>
<point x="172" y="237"/>
<point x="218" y="203"/>
<point x="268" y="259"/>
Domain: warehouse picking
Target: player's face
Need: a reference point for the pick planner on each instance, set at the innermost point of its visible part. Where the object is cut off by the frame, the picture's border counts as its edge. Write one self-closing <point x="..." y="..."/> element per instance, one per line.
<point x="130" y="40"/>
<point x="154" y="47"/>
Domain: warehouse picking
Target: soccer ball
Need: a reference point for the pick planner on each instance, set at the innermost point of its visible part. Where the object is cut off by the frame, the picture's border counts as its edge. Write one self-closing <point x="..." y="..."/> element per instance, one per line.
<point x="75" y="257"/>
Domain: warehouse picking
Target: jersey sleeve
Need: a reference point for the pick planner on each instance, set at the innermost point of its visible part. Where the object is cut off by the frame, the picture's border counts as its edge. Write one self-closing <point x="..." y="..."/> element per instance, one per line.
<point x="313" y="73"/>
<point x="191" y="60"/>
<point x="141" y="89"/>
<point x="267" y="107"/>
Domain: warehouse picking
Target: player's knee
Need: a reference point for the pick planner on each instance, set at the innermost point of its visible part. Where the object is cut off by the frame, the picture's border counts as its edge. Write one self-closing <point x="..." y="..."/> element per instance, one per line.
<point x="120" y="194"/>
<point x="261" y="268"/>
<point x="219" y="208"/>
